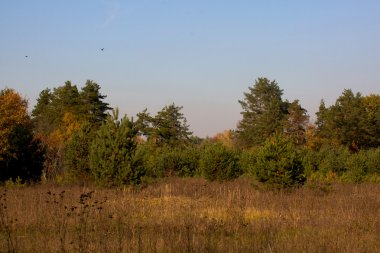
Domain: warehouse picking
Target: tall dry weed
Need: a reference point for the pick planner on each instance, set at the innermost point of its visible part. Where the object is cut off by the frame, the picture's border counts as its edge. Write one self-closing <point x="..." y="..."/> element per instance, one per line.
<point x="193" y="215"/>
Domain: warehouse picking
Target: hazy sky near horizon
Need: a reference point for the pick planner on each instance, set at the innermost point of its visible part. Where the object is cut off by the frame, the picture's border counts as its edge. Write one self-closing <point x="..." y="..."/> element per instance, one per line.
<point x="200" y="54"/>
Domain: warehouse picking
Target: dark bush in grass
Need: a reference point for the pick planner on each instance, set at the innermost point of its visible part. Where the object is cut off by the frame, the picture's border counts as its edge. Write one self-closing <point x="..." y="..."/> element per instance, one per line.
<point x="77" y="163"/>
<point x="169" y="161"/>
<point x="248" y="159"/>
<point x="362" y="166"/>
<point x="373" y="161"/>
<point x="328" y="159"/>
<point x="217" y="162"/>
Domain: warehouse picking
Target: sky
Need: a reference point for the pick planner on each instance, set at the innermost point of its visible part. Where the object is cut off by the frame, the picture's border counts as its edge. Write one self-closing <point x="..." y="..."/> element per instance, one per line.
<point x="199" y="54"/>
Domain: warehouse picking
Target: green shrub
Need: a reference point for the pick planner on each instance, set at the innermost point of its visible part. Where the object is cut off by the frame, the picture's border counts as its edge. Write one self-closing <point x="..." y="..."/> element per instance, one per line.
<point x="356" y="167"/>
<point x="333" y="159"/>
<point x="325" y="161"/>
<point x="247" y="160"/>
<point x="217" y="162"/>
<point x="373" y="161"/>
<point x="168" y="161"/>
<point x="77" y="163"/>
<point x="363" y="166"/>
<point x="278" y="163"/>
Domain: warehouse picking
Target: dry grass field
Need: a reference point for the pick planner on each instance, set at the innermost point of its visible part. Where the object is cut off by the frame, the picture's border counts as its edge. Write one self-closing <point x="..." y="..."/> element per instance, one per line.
<point x="190" y="215"/>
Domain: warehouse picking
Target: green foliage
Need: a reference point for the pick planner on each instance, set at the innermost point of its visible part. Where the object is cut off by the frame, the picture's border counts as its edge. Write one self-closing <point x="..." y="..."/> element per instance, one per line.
<point x="356" y="167"/>
<point x="263" y="113"/>
<point x="373" y="161"/>
<point x="168" y="127"/>
<point x="112" y="153"/>
<point x="362" y="166"/>
<point x="278" y="163"/>
<point x="327" y="159"/>
<point x="338" y="163"/>
<point x="353" y="121"/>
<point x="86" y="105"/>
<point x="27" y="161"/>
<point x="295" y="123"/>
<point x="92" y="108"/>
<point x="248" y="159"/>
<point x="168" y="161"/>
<point x="179" y="161"/>
<point x="77" y="163"/>
<point x="217" y="162"/>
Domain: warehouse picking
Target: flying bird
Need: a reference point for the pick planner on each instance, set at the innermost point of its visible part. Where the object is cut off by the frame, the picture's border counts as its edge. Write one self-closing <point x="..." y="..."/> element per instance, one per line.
<point x="102" y="49"/>
<point x="26" y="56"/>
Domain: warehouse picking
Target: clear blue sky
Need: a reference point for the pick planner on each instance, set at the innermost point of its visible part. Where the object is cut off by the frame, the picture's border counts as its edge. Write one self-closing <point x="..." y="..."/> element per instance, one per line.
<point x="199" y="54"/>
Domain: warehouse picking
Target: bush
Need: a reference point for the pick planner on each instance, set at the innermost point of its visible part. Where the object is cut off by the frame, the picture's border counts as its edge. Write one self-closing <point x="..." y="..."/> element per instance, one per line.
<point x="77" y="163"/>
<point x="247" y="160"/>
<point x="278" y="163"/>
<point x="362" y="166"/>
<point x="356" y="167"/>
<point x="167" y="161"/>
<point x="218" y="162"/>
<point x="327" y="160"/>
<point x="373" y="161"/>
<point x="25" y="157"/>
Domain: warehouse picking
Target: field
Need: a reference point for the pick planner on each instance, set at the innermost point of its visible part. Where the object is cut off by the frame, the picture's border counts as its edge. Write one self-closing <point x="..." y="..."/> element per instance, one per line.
<point x="190" y="215"/>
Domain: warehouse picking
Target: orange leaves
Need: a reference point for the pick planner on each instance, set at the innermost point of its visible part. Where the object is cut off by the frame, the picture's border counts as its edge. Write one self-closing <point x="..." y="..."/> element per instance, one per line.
<point x="225" y="137"/>
<point x="13" y="113"/>
<point x="71" y="125"/>
<point x="61" y="135"/>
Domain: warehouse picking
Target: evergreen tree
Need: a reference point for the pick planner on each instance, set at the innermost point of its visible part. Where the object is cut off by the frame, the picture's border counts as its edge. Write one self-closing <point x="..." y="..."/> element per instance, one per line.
<point x="112" y="152"/>
<point x="43" y="114"/>
<point x="58" y="114"/>
<point x="349" y="122"/>
<point x="278" y="163"/>
<point x="92" y="107"/>
<point x="263" y="113"/>
<point x="372" y="121"/>
<point x="168" y="127"/>
<point x="77" y="153"/>
<point x="296" y="123"/>
<point x="51" y="107"/>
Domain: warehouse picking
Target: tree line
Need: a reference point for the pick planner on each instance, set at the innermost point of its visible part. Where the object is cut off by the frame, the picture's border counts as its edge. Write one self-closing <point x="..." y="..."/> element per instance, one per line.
<point x="73" y="135"/>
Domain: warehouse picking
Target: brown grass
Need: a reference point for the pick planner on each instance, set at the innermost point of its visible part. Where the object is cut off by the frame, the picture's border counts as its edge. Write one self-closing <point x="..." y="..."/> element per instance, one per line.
<point x="191" y="215"/>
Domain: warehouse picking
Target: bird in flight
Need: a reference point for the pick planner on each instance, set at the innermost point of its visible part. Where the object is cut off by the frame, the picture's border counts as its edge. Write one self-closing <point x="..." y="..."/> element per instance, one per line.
<point x="102" y="49"/>
<point x="26" y="56"/>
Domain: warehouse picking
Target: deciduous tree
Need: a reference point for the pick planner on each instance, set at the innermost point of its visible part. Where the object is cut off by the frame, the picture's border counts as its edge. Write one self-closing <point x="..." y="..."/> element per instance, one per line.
<point x="21" y="154"/>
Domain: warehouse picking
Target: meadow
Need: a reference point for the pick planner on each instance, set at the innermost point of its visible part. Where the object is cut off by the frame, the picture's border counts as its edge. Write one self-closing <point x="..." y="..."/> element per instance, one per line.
<point x="191" y="215"/>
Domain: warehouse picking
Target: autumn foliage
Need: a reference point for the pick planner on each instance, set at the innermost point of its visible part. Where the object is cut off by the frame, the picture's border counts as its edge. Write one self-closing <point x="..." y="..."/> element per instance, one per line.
<point x="13" y="111"/>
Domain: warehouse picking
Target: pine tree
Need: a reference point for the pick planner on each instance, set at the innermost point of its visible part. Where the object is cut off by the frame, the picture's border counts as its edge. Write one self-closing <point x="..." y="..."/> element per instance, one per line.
<point x="112" y="152"/>
<point x="278" y="163"/>
<point x="347" y="122"/>
<point x="296" y="123"/>
<point x="77" y="153"/>
<point x="168" y="127"/>
<point x="263" y="113"/>
<point x="92" y="107"/>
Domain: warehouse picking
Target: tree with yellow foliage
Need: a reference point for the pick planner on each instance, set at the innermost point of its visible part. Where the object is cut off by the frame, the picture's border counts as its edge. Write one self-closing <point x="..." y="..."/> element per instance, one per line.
<point x="21" y="154"/>
<point x="225" y="138"/>
<point x="13" y="113"/>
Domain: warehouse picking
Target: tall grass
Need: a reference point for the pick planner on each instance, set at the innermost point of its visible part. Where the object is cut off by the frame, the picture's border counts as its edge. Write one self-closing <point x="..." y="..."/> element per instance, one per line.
<point x="191" y="215"/>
